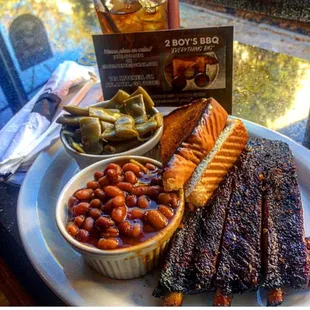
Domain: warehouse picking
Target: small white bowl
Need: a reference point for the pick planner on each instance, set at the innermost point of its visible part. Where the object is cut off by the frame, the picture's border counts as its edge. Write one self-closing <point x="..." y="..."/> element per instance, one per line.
<point x="84" y="160"/>
<point x="123" y="263"/>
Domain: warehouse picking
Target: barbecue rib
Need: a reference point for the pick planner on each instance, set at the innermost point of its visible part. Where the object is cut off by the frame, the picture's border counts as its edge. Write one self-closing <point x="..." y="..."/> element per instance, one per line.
<point x="240" y="259"/>
<point x="285" y="252"/>
<point x="260" y="191"/>
<point x="190" y="264"/>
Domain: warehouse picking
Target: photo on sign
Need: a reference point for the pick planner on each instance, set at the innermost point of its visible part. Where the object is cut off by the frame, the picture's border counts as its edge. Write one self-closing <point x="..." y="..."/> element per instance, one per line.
<point x="195" y="71"/>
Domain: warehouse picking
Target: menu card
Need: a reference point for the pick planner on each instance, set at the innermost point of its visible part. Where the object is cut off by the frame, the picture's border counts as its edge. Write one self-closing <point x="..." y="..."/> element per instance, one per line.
<point x="174" y="66"/>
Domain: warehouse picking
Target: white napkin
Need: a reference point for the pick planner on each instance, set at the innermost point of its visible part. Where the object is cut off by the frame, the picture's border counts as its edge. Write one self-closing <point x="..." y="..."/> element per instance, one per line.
<point x="27" y="133"/>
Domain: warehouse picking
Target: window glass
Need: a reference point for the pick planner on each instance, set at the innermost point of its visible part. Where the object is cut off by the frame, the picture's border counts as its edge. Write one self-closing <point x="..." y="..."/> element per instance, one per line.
<point x="35" y="36"/>
<point x="5" y="111"/>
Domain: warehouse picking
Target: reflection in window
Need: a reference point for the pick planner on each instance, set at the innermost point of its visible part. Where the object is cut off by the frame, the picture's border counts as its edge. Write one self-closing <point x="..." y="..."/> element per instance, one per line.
<point x="35" y="36"/>
<point x="5" y="110"/>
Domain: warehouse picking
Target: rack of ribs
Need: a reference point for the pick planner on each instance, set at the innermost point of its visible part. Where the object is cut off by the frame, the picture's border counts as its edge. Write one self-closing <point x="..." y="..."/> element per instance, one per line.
<point x="239" y="265"/>
<point x="190" y="264"/>
<point x="285" y="251"/>
<point x="256" y="212"/>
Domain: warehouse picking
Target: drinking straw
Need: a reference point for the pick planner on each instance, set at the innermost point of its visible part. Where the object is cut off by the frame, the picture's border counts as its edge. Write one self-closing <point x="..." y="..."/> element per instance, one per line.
<point x="104" y="9"/>
<point x="110" y="20"/>
<point x="174" y="14"/>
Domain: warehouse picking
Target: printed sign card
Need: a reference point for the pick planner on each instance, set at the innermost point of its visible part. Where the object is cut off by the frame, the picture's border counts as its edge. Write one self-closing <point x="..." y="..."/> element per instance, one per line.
<point x="174" y="66"/>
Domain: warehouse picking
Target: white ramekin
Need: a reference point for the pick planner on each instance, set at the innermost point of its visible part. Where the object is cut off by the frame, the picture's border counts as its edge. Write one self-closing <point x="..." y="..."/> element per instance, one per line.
<point x="84" y="160"/>
<point x="126" y="263"/>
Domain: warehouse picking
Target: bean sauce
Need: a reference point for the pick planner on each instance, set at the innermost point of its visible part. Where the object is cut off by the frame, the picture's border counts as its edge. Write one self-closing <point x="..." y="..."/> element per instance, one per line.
<point x="122" y="206"/>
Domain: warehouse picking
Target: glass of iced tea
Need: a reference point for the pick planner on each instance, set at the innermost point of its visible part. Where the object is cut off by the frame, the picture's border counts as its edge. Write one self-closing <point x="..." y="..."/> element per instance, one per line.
<point x="117" y="16"/>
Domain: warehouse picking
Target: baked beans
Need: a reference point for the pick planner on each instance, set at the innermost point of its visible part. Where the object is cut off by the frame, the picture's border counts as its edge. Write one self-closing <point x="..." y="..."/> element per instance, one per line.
<point x="122" y="206"/>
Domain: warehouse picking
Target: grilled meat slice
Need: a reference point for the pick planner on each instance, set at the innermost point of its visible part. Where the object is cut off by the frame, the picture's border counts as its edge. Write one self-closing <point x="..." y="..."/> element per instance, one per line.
<point x="190" y="264"/>
<point x="285" y="251"/>
<point x="178" y="262"/>
<point x="209" y="236"/>
<point x="240" y="259"/>
<point x="262" y="182"/>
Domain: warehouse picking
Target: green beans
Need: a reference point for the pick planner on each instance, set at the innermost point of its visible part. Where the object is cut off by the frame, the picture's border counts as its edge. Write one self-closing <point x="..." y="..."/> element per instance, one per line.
<point x="118" y="99"/>
<point x="125" y="127"/>
<point x="69" y="120"/>
<point x="122" y="123"/>
<point x="146" y="127"/>
<point x="90" y="134"/>
<point x="134" y="106"/>
<point x="104" y="114"/>
<point x="76" y="110"/>
<point x="149" y="103"/>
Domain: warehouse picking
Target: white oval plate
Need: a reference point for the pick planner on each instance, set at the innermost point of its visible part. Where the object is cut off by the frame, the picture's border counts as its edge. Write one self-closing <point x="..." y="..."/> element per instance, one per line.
<point x="63" y="269"/>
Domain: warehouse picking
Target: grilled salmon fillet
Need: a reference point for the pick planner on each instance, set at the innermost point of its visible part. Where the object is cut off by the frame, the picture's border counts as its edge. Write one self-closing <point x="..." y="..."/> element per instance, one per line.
<point x="213" y="168"/>
<point x="189" y="135"/>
